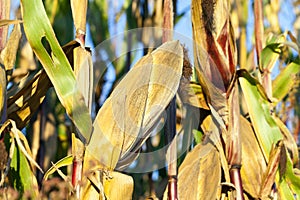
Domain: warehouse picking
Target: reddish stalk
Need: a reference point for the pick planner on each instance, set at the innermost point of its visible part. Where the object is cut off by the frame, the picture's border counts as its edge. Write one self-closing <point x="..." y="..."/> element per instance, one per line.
<point x="172" y="188"/>
<point x="76" y="175"/>
<point x="235" y="178"/>
<point x="259" y="27"/>
<point x="234" y="149"/>
<point x="78" y="147"/>
<point x="170" y="126"/>
<point x="259" y="35"/>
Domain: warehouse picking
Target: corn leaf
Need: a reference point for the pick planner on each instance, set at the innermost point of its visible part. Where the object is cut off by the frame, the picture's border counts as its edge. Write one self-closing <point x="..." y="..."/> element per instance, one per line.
<point x="8" y="55"/>
<point x="83" y="69"/>
<point x="288" y="140"/>
<point x="271" y="52"/>
<point x="37" y="29"/>
<point x="214" y="41"/>
<point x="2" y="91"/>
<point x="4" y="15"/>
<point x="5" y="22"/>
<point x="21" y="174"/>
<point x="289" y="181"/>
<point x="199" y="176"/>
<point x="211" y="127"/>
<point x="264" y="125"/>
<point x="21" y="106"/>
<point x="79" y="9"/>
<point x="136" y="105"/>
<point x="253" y="161"/>
<point x="284" y="82"/>
<point x="61" y="163"/>
<point x="272" y="169"/>
<point x="118" y="186"/>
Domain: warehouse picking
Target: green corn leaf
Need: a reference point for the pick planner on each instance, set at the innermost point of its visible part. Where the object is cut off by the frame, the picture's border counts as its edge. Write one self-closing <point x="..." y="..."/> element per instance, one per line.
<point x="271" y="52"/>
<point x="264" y="125"/>
<point x="285" y="80"/>
<point x="288" y="180"/>
<point x="21" y="175"/>
<point x="37" y="29"/>
<point x="61" y="163"/>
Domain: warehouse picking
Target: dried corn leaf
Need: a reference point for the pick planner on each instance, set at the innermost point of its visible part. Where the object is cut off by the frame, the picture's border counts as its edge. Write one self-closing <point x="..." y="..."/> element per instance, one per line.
<point x="8" y="55"/>
<point x="289" y="141"/>
<point x="199" y="176"/>
<point x="213" y="33"/>
<point x="5" y="22"/>
<point x="253" y="161"/>
<point x="4" y="15"/>
<point x="212" y="128"/>
<point x="269" y="175"/>
<point x="118" y="186"/>
<point x="79" y="9"/>
<point x="22" y="106"/>
<point x="135" y="106"/>
<point x="195" y="96"/>
<point x="83" y="69"/>
<point x="2" y="91"/>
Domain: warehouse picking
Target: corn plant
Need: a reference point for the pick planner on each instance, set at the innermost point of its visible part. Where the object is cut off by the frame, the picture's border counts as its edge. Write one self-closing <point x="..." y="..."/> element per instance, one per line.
<point x="225" y="135"/>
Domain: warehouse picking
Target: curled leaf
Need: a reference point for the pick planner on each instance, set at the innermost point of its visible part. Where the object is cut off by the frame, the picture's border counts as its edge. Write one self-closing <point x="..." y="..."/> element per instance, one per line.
<point x="136" y="105"/>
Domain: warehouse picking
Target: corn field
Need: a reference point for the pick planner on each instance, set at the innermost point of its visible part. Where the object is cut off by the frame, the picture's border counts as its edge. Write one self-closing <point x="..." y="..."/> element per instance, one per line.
<point x="118" y="100"/>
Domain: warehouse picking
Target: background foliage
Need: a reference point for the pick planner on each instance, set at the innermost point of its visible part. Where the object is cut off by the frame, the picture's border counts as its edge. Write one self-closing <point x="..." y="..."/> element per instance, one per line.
<point x="38" y="111"/>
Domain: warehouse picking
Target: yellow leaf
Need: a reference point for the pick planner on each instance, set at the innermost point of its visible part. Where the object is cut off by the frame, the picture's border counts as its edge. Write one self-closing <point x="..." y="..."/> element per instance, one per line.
<point x="199" y="175"/>
<point x="135" y="106"/>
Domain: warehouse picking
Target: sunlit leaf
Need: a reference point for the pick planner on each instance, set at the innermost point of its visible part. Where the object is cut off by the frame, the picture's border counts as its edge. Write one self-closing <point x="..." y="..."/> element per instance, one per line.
<point x="79" y="9"/>
<point x="61" y="163"/>
<point x="22" y="105"/>
<point x="92" y="183"/>
<point x="5" y="14"/>
<point x="264" y="125"/>
<point x="289" y="181"/>
<point x="195" y="97"/>
<point x="9" y="53"/>
<point x="214" y="39"/>
<point x="285" y="80"/>
<point x="199" y="176"/>
<point x="5" y="22"/>
<point x="83" y="69"/>
<point x="213" y="129"/>
<point x="253" y="161"/>
<point x="271" y="52"/>
<point x="125" y="120"/>
<point x="38" y="30"/>
<point x="118" y="186"/>
<point x="288" y="140"/>
<point x="270" y="173"/>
